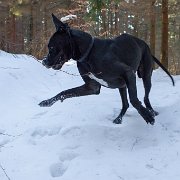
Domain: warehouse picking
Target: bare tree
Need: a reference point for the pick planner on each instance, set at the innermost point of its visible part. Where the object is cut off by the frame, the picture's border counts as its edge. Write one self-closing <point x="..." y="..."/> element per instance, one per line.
<point x="164" y="41"/>
<point x="152" y="28"/>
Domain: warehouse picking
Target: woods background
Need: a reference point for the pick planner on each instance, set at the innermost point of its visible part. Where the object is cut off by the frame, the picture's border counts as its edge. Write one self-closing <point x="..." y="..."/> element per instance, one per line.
<point x="26" y="25"/>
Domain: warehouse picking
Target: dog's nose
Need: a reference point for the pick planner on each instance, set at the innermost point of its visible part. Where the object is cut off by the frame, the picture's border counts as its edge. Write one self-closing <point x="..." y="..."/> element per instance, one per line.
<point x="45" y="62"/>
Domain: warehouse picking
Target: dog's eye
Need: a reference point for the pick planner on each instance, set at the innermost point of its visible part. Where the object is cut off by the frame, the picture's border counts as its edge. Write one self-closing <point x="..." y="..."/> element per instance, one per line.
<point x="51" y="50"/>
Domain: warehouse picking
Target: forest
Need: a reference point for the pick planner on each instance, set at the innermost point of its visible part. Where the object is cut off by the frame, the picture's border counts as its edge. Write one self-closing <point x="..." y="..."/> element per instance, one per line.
<point x="26" y="25"/>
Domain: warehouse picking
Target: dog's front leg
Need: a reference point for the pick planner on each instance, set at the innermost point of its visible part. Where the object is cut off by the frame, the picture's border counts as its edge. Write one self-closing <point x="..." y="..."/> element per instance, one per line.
<point x="84" y="90"/>
<point x="132" y="90"/>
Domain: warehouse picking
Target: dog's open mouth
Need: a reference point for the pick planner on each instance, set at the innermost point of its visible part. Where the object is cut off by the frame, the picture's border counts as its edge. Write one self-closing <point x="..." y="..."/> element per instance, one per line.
<point x="57" y="66"/>
<point x="58" y="63"/>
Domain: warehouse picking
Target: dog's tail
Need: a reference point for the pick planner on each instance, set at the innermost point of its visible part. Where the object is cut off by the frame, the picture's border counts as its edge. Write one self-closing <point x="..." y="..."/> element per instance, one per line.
<point x="167" y="72"/>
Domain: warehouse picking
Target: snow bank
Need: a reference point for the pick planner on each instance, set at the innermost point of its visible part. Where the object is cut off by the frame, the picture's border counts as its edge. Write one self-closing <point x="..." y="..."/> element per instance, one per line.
<point x="76" y="139"/>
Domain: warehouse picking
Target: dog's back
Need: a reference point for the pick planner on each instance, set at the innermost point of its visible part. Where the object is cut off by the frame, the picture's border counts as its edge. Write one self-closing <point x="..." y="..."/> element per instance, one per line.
<point x="129" y="49"/>
<point x="136" y="49"/>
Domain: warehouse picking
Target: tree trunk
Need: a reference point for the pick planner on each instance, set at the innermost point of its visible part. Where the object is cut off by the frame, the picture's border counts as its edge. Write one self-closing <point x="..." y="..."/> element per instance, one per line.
<point x="13" y="33"/>
<point x="164" y="41"/>
<point x="116" y="20"/>
<point x="152" y="28"/>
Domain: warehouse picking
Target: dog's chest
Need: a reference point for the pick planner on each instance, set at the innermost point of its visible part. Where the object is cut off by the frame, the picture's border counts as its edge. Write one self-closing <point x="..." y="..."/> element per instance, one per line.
<point x="100" y="81"/>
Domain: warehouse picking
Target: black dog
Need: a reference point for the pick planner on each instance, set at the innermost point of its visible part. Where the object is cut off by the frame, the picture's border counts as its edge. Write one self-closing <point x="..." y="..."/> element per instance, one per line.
<point x="111" y="63"/>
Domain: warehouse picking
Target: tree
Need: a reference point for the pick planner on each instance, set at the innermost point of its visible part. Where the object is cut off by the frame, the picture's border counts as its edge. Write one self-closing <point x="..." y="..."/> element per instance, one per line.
<point x="152" y="28"/>
<point x="164" y="41"/>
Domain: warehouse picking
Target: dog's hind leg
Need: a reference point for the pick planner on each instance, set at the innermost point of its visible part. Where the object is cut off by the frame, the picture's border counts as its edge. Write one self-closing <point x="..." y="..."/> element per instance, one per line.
<point x="125" y="105"/>
<point x="145" y="70"/>
<point x="147" y="88"/>
<point x="132" y="89"/>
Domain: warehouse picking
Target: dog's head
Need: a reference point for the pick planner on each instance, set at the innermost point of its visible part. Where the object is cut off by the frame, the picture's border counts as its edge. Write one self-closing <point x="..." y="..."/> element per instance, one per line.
<point x="59" y="46"/>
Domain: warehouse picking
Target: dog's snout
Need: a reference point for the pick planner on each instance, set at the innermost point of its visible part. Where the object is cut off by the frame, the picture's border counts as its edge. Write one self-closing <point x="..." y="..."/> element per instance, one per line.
<point x="45" y="62"/>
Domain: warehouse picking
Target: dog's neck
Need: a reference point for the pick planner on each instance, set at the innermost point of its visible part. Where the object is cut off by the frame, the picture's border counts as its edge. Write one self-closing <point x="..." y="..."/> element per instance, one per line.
<point x="82" y="43"/>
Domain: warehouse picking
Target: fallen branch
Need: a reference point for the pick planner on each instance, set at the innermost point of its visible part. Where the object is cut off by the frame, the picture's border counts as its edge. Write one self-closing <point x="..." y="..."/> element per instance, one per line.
<point x="5" y="134"/>
<point x="135" y="142"/>
<point x="5" y="172"/>
<point x="8" y="68"/>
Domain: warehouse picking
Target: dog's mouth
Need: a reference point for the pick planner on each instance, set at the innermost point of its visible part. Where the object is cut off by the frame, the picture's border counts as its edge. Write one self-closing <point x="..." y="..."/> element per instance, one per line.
<point x="58" y="63"/>
<point x="57" y="66"/>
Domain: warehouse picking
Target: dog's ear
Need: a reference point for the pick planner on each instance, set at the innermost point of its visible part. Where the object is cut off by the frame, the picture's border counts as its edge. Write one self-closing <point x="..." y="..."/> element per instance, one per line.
<point x="60" y="26"/>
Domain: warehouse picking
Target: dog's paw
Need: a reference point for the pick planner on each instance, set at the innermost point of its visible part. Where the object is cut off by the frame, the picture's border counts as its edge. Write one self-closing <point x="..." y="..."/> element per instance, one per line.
<point x="149" y="118"/>
<point x="151" y="121"/>
<point x="118" y="120"/>
<point x="153" y="112"/>
<point x="147" y="115"/>
<point x="47" y="103"/>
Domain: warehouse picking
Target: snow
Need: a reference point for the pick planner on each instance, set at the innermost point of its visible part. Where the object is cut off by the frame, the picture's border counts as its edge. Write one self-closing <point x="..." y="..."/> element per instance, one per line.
<point x="76" y="139"/>
<point x="68" y="17"/>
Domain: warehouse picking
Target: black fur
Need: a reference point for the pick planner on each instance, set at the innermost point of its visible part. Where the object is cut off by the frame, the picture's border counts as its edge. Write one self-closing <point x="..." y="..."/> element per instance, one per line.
<point x="114" y="61"/>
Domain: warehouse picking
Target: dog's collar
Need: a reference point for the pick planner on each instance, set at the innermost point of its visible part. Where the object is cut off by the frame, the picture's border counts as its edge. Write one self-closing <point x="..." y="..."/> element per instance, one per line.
<point x="83" y="58"/>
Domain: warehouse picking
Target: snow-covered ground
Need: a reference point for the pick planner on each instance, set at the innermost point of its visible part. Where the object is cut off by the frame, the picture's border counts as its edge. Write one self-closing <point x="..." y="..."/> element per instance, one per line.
<point x="76" y="139"/>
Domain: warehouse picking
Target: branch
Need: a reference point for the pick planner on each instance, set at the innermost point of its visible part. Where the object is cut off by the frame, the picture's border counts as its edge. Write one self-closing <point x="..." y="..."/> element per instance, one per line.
<point x="135" y="142"/>
<point x="8" y="68"/>
<point x="5" y="134"/>
<point x="5" y="172"/>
